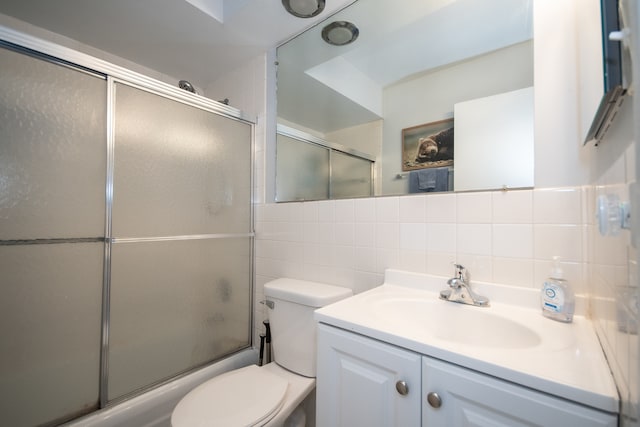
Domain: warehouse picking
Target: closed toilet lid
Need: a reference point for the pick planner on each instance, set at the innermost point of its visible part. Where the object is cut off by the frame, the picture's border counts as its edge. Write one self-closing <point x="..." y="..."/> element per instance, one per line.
<point x="244" y="397"/>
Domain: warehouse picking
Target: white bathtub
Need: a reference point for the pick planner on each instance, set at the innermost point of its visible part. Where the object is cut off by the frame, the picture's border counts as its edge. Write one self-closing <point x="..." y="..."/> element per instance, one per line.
<point x="153" y="409"/>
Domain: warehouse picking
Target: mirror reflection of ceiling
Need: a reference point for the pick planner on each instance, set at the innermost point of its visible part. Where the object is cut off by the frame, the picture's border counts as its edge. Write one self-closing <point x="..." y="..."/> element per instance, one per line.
<point x="197" y="40"/>
<point x="326" y="88"/>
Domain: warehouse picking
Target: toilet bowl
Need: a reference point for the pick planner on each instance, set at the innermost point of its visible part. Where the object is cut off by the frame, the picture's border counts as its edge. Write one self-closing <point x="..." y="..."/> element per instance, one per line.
<point x="267" y="395"/>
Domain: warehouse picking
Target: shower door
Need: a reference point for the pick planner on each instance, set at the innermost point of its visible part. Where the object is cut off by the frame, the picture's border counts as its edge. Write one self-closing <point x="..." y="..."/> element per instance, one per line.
<point x="52" y="212"/>
<point x="125" y="236"/>
<point x="181" y="230"/>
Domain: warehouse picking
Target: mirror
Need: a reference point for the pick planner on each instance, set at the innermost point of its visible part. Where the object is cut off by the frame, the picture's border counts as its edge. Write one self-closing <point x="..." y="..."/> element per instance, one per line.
<point x="411" y="63"/>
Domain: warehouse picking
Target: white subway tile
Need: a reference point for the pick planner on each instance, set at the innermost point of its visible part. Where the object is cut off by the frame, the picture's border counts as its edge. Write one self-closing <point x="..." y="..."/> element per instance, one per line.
<point x="557" y="206"/>
<point x="473" y="239"/>
<point x="269" y="212"/>
<point x="311" y="212"/>
<point x="473" y="208"/>
<point x="387" y="258"/>
<point x="564" y="241"/>
<point x="412" y="209"/>
<point x="311" y="232"/>
<point x="365" y="259"/>
<point x="387" y="235"/>
<point x="441" y="264"/>
<point x="512" y="207"/>
<point x="324" y="255"/>
<point x="326" y="232"/>
<point x="412" y="260"/>
<point x="344" y="256"/>
<point x="364" y="280"/>
<point x="413" y="236"/>
<point x="441" y="238"/>
<point x="345" y="210"/>
<point x="295" y="211"/>
<point x="513" y="272"/>
<point x="344" y="233"/>
<point x="513" y="240"/>
<point x="365" y="210"/>
<point x="311" y="253"/>
<point x="441" y="207"/>
<point x="326" y="211"/>
<point x="387" y="209"/>
<point x="365" y="234"/>
<point x="293" y="252"/>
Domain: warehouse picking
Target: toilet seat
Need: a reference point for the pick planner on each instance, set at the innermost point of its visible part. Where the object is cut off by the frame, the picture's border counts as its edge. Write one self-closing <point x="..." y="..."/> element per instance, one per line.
<point x="248" y="396"/>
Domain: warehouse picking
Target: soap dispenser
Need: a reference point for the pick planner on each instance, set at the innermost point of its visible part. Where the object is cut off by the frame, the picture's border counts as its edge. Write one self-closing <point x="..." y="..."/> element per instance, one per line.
<point x="557" y="297"/>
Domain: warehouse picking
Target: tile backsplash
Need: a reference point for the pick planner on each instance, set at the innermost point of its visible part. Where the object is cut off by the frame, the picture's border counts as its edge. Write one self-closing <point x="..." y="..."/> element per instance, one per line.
<point x="503" y="237"/>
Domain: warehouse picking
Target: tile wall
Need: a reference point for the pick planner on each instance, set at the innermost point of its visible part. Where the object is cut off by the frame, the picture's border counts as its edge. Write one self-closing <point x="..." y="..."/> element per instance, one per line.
<point x="502" y="237"/>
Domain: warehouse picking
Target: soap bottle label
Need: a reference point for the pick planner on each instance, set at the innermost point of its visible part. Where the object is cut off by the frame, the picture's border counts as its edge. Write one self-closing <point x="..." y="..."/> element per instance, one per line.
<point x="552" y="298"/>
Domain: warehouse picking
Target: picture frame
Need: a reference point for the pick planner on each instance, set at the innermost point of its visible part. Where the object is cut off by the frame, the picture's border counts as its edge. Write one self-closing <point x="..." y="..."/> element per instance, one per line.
<point x="429" y="145"/>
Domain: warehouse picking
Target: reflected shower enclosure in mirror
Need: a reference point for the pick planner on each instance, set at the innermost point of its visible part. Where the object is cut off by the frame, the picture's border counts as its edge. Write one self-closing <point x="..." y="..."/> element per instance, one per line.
<point x="411" y="64"/>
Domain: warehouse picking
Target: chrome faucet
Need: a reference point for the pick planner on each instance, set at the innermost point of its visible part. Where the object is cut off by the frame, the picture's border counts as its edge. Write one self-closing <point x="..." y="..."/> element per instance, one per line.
<point x="460" y="289"/>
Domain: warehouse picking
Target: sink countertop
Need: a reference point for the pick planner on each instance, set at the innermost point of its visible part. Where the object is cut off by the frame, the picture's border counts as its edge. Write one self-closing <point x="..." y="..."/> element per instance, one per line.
<point x="567" y="360"/>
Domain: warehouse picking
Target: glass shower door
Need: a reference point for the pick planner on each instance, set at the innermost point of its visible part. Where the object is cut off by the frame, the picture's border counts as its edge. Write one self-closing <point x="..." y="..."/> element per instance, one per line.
<point x="52" y="212"/>
<point x="181" y="229"/>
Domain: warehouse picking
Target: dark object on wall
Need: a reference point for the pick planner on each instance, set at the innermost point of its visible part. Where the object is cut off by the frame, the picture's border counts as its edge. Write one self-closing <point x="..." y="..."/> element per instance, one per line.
<point x="267" y="343"/>
<point x="428" y="146"/>
<point x="614" y="61"/>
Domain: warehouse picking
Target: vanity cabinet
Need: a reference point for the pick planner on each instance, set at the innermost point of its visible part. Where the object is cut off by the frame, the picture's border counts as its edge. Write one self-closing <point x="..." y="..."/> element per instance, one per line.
<point x="365" y="382"/>
<point x="469" y="398"/>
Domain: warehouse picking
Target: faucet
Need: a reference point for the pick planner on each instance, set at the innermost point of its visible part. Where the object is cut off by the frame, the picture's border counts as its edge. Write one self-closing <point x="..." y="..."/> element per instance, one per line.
<point x="460" y="289"/>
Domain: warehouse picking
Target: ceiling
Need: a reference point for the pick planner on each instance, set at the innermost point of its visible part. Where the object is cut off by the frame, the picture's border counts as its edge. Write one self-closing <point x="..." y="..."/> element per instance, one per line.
<point x="398" y="41"/>
<point x="196" y="40"/>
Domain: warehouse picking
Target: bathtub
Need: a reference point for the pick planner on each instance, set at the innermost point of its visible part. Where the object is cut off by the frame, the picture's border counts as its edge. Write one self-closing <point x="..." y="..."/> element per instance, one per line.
<point x="153" y="409"/>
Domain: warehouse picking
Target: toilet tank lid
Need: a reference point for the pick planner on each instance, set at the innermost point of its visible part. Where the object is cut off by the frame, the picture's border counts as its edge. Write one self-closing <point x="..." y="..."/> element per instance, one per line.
<point x="313" y="294"/>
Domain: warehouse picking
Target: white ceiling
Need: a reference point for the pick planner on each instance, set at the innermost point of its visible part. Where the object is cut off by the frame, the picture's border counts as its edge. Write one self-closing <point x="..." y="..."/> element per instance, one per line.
<point x="196" y="40"/>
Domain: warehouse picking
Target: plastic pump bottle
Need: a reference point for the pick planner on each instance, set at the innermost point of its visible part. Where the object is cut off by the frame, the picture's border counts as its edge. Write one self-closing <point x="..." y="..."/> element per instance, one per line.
<point x="557" y="298"/>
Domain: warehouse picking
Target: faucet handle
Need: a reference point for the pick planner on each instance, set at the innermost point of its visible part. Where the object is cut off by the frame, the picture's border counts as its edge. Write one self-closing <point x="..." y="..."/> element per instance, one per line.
<point x="459" y="270"/>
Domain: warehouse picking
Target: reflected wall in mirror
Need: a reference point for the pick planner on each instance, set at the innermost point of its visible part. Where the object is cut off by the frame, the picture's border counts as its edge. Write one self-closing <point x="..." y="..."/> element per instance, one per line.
<point x="412" y="62"/>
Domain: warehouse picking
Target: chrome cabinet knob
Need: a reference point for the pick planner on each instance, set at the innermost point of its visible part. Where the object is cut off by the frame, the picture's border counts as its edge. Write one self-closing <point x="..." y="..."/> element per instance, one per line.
<point x="434" y="400"/>
<point x="402" y="388"/>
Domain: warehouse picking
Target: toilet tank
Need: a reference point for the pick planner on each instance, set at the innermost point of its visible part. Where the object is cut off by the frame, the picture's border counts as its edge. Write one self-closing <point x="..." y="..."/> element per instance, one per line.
<point x="293" y="328"/>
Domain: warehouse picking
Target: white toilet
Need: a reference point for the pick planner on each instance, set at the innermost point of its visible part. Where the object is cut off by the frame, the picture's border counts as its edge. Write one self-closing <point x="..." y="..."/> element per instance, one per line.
<point x="269" y="395"/>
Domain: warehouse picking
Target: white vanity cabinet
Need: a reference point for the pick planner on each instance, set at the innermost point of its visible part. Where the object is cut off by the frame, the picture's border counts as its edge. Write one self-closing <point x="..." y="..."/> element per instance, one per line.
<point x="364" y="382"/>
<point x="456" y="396"/>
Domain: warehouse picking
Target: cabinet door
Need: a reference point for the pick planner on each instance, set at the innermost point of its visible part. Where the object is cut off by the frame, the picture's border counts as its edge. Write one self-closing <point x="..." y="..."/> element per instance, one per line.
<point x="469" y="398"/>
<point x="356" y="382"/>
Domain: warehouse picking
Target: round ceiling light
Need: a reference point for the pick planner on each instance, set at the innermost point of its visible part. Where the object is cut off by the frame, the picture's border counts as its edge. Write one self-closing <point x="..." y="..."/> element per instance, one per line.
<point x="340" y="33"/>
<point x="304" y="8"/>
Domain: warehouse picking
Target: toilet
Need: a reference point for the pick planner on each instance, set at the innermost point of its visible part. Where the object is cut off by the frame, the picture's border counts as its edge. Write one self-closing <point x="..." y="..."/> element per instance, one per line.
<point x="268" y="395"/>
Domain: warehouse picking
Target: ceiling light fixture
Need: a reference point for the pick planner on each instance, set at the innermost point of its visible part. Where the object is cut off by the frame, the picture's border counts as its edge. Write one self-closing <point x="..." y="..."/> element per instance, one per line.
<point x="340" y="33"/>
<point x="304" y="8"/>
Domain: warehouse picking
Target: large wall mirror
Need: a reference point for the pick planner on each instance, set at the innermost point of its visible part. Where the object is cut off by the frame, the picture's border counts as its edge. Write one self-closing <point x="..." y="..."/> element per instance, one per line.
<point x="416" y="72"/>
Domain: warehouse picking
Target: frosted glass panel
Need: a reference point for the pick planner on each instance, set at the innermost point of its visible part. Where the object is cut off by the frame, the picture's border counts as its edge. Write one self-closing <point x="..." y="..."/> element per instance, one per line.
<point x="176" y="305"/>
<point x="50" y="327"/>
<point x="350" y="176"/>
<point x="178" y="170"/>
<point x="52" y="150"/>
<point x="302" y="170"/>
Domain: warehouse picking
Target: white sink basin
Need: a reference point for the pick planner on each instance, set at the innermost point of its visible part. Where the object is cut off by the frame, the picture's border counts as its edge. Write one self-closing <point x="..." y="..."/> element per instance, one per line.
<point x="510" y="339"/>
<point x="449" y="321"/>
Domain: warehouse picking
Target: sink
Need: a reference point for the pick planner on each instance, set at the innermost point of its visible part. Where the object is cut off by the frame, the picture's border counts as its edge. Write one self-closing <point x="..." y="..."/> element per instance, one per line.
<point x="458" y="323"/>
